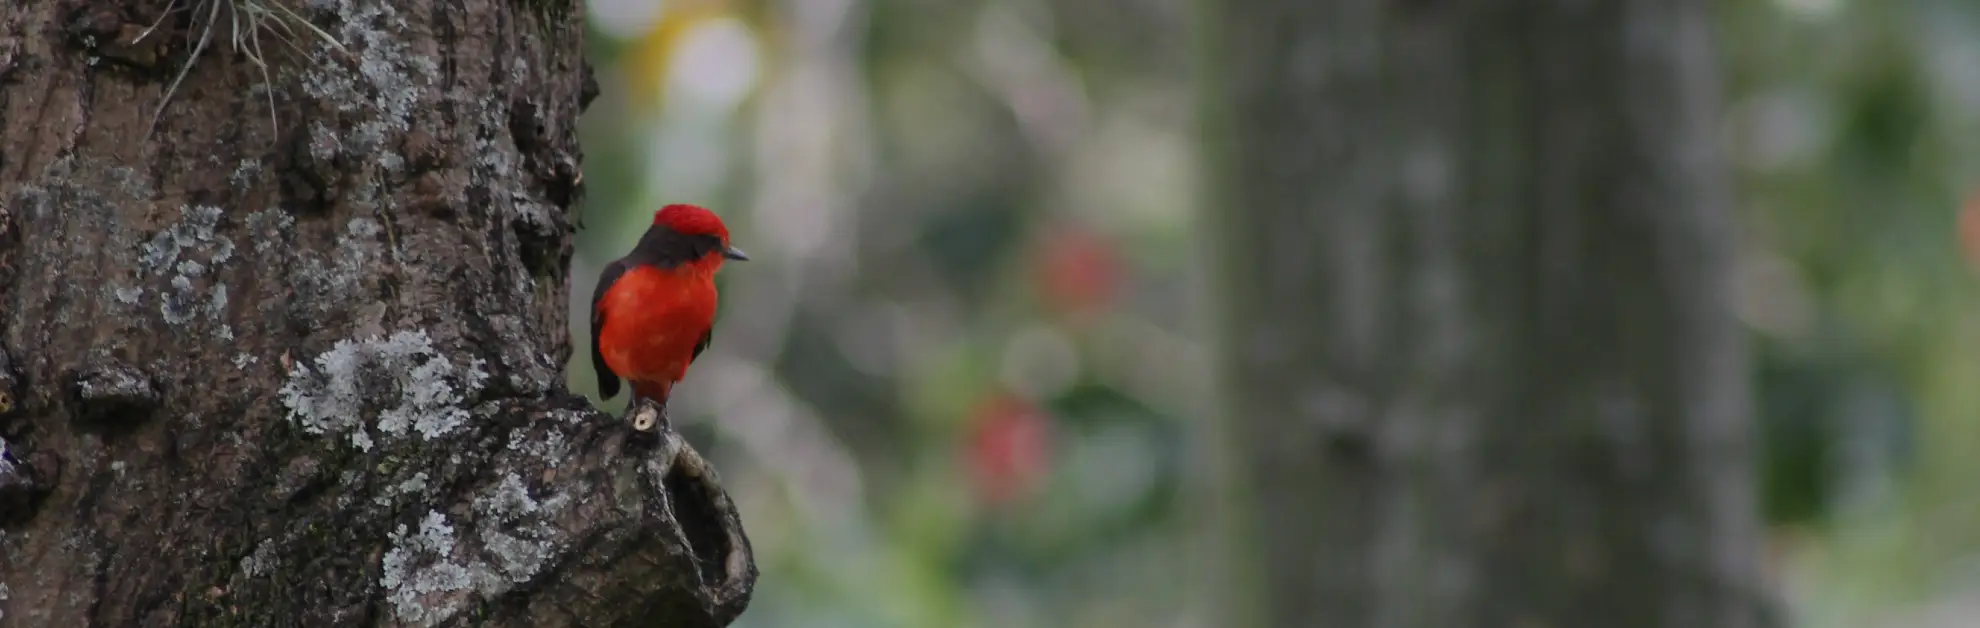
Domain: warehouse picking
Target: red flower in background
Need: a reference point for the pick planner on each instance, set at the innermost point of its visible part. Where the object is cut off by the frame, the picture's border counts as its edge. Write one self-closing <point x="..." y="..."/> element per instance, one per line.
<point x="1007" y="448"/>
<point x="1079" y="272"/>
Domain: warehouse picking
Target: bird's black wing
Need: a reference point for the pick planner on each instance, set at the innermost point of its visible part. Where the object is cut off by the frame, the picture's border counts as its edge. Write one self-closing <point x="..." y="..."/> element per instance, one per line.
<point x="699" y="347"/>
<point x="608" y="381"/>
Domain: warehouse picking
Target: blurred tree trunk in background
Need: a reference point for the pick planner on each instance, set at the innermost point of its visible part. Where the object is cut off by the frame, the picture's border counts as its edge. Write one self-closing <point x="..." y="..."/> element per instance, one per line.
<point x="1481" y="357"/>
<point x="291" y="356"/>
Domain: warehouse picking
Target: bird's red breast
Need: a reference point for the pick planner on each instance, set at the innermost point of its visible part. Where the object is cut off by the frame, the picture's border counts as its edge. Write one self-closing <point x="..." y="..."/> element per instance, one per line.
<point x="654" y="318"/>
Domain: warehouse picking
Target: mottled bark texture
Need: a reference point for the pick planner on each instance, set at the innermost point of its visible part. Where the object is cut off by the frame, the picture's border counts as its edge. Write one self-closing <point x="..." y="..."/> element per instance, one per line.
<point x="1480" y="351"/>
<point x="305" y="371"/>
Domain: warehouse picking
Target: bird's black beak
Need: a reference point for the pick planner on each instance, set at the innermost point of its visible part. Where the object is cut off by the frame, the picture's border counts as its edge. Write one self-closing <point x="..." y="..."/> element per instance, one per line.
<point x="735" y="254"/>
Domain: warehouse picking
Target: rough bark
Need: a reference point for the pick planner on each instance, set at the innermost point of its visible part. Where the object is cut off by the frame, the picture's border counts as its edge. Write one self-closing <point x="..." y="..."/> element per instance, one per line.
<point x="304" y="369"/>
<point x="1480" y="354"/>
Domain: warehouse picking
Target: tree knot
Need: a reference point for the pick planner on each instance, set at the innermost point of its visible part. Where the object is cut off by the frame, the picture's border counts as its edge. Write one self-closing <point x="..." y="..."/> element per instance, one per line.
<point x="110" y="391"/>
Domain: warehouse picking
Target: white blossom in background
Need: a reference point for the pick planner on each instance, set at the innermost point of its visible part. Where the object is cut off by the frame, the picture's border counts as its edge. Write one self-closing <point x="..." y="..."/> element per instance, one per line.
<point x="716" y="64"/>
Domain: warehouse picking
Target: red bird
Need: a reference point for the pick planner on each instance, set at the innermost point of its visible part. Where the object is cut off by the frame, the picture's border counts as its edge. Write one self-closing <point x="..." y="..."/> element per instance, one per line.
<point x="654" y="309"/>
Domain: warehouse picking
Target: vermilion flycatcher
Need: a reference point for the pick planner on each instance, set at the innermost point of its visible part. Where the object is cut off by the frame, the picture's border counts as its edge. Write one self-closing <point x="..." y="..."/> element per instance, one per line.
<point x="654" y="309"/>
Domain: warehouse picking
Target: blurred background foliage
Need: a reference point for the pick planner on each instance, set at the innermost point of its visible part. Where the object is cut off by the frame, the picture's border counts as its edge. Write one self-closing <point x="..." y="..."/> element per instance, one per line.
<point x="961" y="384"/>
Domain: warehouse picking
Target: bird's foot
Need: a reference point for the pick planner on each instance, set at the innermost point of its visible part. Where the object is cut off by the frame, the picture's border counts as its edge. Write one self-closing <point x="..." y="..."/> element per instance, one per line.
<point x="649" y="417"/>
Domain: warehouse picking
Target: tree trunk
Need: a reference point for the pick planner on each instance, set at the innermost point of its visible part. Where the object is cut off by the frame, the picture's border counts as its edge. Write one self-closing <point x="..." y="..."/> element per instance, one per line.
<point x="289" y="352"/>
<point x="1482" y="365"/>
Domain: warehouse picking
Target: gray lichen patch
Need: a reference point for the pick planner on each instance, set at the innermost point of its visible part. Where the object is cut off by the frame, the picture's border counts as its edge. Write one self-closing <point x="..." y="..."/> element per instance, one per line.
<point x="262" y="561"/>
<point x="431" y="573"/>
<point x="516" y="532"/>
<point x="127" y="296"/>
<point x="493" y="161"/>
<point x="186" y="254"/>
<point x="246" y="174"/>
<point x="412" y="486"/>
<point x="496" y="169"/>
<point x="507" y="500"/>
<point x="568" y="417"/>
<point x="360" y="246"/>
<point x="551" y="448"/>
<point x="269" y="228"/>
<point x="379" y="90"/>
<point x="326" y="287"/>
<point x="421" y="580"/>
<point x="428" y="575"/>
<point x="196" y="233"/>
<point x="323" y="143"/>
<point x="531" y="371"/>
<point x="397" y="385"/>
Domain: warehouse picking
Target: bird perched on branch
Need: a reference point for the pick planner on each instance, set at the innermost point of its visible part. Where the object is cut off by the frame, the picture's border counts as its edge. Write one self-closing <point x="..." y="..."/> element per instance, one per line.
<point x="653" y="311"/>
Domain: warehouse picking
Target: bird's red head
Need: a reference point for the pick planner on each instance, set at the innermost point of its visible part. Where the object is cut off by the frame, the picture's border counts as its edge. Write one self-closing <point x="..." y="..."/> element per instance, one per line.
<point x="697" y="221"/>
<point x="693" y="220"/>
